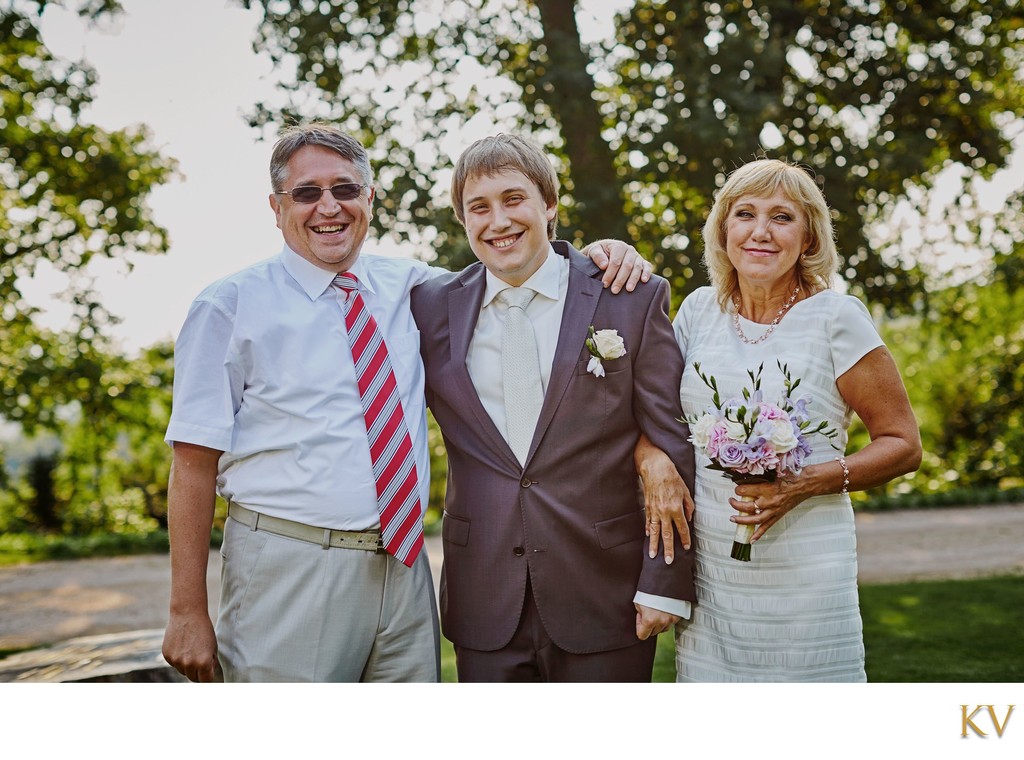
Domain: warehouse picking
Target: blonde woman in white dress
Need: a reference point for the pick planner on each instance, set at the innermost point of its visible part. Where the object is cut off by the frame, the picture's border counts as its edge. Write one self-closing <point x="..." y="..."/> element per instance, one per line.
<point x="792" y="612"/>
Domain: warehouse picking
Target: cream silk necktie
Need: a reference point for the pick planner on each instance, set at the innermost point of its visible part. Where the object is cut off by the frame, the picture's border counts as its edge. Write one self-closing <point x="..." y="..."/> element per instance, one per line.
<point x="520" y="372"/>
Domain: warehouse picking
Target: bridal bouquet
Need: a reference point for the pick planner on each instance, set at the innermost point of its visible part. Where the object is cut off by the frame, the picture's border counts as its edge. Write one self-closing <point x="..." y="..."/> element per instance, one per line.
<point x="753" y="441"/>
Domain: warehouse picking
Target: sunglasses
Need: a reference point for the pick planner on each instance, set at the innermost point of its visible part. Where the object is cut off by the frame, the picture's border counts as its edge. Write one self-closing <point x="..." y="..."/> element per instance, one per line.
<point x="311" y="193"/>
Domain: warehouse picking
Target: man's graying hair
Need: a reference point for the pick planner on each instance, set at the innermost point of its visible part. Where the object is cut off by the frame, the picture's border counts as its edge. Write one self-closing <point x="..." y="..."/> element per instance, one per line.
<point x="298" y="136"/>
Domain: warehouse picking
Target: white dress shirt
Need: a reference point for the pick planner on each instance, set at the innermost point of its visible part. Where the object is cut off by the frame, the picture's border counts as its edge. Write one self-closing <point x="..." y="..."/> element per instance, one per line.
<point x="264" y="373"/>
<point x="483" y="360"/>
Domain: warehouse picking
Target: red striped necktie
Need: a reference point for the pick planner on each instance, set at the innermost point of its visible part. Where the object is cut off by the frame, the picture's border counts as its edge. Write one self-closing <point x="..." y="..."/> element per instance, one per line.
<point x="394" y="466"/>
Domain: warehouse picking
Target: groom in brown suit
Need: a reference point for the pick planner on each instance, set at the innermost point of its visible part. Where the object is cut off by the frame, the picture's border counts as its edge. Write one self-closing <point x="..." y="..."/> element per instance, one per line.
<point x="547" y="576"/>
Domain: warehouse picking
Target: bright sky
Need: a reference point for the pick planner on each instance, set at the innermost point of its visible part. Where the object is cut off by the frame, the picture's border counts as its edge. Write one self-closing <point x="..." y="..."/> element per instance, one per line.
<point x="187" y="69"/>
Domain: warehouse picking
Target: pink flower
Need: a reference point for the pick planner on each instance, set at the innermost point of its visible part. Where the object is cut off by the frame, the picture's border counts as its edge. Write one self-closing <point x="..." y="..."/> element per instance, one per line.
<point x="762" y="458"/>
<point x="719" y="436"/>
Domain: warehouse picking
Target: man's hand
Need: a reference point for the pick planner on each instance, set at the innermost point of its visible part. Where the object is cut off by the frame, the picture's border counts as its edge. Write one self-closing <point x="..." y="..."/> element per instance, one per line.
<point x="651" y="622"/>
<point x="667" y="500"/>
<point x="622" y="265"/>
<point x="190" y="647"/>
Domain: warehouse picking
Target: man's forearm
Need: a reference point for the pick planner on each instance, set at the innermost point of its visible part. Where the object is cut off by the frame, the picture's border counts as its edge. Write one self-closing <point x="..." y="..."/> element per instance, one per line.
<point x="190" y="504"/>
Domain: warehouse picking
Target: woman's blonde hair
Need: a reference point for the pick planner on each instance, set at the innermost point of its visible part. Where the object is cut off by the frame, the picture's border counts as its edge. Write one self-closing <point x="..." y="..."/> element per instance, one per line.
<point x="763" y="178"/>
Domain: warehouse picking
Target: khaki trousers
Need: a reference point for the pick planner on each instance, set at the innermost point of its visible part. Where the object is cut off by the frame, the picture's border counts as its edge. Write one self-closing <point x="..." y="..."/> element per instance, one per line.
<point x="291" y="611"/>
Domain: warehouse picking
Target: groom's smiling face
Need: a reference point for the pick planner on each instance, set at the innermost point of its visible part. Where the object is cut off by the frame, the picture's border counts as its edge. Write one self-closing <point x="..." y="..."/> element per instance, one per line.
<point x="507" y="223"/>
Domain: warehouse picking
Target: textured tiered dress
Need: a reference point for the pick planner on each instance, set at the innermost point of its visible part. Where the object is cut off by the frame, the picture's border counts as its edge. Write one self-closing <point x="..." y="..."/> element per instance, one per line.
<point x="792" y="612"/>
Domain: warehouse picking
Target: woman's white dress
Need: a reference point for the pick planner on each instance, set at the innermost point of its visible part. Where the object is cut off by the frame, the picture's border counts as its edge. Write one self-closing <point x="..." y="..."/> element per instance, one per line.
<point x="792" y="612"/>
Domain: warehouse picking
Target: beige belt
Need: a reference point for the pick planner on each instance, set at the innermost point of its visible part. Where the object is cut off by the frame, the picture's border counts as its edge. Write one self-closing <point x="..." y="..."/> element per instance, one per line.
<point x="325" y="537"/>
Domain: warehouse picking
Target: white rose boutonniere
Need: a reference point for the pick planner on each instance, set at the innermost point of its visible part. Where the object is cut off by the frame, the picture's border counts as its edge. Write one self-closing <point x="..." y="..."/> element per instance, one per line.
<point x="603" y="344"/>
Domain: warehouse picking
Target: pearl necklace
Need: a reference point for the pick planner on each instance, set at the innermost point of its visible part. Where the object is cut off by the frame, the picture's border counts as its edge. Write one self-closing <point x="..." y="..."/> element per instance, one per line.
<point x="771" y="327"/>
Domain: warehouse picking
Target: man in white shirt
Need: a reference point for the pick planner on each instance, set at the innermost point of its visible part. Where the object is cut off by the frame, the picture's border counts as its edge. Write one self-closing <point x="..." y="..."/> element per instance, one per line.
<point x="322" y="458"/>
<point x="547" y="575"/>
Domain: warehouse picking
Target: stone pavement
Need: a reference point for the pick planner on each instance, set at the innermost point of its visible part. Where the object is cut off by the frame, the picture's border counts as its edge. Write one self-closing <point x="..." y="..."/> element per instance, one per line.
<point x="103" y="619"/>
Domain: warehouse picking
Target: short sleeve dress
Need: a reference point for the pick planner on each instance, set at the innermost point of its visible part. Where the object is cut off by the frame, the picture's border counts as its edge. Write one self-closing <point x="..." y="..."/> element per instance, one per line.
<point x="792" y="612"/>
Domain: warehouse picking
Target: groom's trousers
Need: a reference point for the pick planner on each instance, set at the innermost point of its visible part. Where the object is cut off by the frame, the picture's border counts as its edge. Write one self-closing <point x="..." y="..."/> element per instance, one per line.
<point x="532" y="656"/>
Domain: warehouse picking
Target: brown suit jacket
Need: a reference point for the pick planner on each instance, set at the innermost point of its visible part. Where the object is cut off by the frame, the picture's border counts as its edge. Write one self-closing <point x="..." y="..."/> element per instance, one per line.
<point x="572" y="517"/>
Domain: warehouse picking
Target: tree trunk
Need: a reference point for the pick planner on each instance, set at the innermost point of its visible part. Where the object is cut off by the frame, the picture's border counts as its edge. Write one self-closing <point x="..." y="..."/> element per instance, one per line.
<point x="596" y="187"/>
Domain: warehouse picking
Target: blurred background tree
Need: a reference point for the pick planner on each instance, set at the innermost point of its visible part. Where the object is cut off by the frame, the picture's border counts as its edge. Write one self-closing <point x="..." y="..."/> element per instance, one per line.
<point x="963" y="362"/>
<point x="875" y="97"/>
<point x="70" y="191"/>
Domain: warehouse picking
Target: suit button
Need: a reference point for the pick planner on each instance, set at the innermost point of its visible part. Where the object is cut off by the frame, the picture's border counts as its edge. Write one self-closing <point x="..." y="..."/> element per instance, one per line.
<point x="525" y="482"/>
<point x="519" y="551"/>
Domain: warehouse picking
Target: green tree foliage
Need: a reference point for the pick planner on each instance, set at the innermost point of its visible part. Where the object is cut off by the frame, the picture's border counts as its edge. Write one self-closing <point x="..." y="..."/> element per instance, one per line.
<point x="962" y="364"/>
<point x="111" y="470"/>
<point x="70" y="191"/>
<point x="874" y="97"/>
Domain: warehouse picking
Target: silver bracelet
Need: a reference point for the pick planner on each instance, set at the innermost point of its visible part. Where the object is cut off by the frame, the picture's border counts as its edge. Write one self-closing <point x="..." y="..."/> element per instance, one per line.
<point x="846" y="476"/>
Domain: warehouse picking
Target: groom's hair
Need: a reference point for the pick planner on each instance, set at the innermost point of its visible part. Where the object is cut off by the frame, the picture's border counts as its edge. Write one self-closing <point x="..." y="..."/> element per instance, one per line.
<point x="493" y="155"/>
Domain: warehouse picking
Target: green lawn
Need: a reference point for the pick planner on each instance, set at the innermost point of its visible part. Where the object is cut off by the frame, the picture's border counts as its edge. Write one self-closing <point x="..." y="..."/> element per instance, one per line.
<point x="939" y="631"/>
<point x="945" y="631"/>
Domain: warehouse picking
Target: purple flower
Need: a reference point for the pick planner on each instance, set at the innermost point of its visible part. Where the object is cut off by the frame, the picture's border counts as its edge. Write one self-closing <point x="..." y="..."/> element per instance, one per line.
<point x="793" y="460"/>
<point x="799" y="412"/>
<point x="761" y="457"/>
<point x="731" y="455"/>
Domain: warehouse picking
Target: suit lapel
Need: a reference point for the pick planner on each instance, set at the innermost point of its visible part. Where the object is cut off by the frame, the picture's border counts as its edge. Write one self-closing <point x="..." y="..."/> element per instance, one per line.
<point x="581" y="300"/>
<point x="463" y="313"/>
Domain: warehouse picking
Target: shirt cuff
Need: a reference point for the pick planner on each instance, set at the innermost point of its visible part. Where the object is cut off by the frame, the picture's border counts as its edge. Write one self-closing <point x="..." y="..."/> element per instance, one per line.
<point x="667" y="604"/>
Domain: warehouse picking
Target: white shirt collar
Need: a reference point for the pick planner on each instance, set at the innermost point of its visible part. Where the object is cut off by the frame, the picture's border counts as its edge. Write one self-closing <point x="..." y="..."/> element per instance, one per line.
<point x="545" y="280"/>
<point x="314" y="280"/>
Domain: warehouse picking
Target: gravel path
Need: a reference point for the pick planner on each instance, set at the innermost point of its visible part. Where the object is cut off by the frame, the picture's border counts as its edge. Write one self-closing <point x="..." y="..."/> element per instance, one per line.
<point x="51" y="602"/>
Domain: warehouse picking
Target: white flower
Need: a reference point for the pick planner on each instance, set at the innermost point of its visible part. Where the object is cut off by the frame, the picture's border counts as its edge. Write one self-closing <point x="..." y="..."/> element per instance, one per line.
<point x="700" y="431"/>
<point x="735" y="430"/>
<point x="780" y="435"/>
<point x="609" y="345"/>
<point x="603" y="344"/>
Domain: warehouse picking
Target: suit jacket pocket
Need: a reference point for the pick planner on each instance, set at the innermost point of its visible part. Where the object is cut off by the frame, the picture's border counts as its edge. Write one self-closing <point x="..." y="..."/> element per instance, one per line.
<point x="611" y="366"/>
<point x="619" y="530"/>
<point x="455" y="530"/>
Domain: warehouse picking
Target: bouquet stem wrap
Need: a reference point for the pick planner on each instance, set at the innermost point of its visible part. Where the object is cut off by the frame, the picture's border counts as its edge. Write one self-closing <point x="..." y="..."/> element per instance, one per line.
<point x="741" y="539"/>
